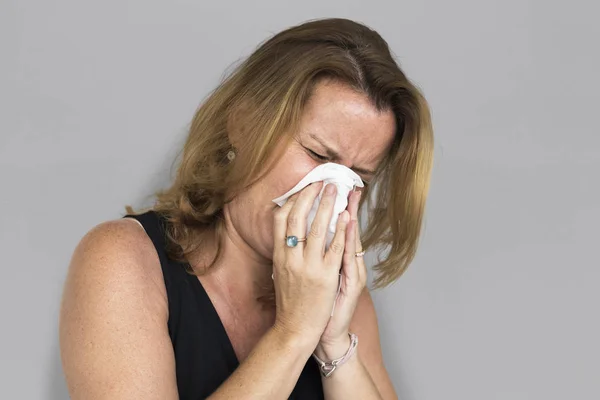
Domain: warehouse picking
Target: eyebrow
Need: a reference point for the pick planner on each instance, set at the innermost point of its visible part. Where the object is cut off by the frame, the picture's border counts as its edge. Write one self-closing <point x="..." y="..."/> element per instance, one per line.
<point x="336" y="156"/>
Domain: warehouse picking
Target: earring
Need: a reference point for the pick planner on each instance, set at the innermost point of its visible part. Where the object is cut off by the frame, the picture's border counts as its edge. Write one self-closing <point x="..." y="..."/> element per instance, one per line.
<point x="231" y="155"/>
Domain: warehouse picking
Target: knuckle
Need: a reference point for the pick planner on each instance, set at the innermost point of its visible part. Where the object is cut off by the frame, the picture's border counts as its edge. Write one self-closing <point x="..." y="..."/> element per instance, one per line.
<point x="294" y="267"/>
<point x="284" y="263"/>
<point x="337" y="247"/>
<point x="287" y="265"/>
<point x="315" y="231"/>
<point x="293" y="220"/>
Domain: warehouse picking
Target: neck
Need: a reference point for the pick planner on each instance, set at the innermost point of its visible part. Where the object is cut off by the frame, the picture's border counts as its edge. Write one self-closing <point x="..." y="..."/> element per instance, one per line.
<point x="240" y="272"/>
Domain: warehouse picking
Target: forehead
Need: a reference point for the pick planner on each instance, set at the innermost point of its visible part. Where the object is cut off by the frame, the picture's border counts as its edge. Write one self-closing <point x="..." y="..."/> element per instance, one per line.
<point x="349" y="122"/>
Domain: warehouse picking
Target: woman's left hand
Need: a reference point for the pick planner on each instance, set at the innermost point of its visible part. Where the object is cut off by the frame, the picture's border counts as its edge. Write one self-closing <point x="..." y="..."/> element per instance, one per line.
<point x="335" y="340"/>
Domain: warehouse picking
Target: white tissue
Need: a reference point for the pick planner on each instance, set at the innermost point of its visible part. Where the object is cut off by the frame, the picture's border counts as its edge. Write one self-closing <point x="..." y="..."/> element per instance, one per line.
<point x="344" y="179"/>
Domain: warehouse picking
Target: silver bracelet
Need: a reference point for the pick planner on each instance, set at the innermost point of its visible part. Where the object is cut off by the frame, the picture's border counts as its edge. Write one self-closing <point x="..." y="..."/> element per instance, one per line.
<point x="327" y="368"/>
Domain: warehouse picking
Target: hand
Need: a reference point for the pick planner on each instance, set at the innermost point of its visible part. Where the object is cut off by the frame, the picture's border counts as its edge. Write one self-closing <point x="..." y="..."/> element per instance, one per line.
<point x="335" y="340"/>
<point x="305" y="276"/>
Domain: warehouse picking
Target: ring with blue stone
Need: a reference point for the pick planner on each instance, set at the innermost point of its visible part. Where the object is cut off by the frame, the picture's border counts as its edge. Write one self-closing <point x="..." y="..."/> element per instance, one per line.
<point x="292" y="241"/>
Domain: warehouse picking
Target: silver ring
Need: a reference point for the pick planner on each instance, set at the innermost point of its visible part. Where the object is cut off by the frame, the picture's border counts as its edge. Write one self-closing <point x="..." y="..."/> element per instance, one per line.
<point x="292" y="241"/>
<point x="360" y="253"/>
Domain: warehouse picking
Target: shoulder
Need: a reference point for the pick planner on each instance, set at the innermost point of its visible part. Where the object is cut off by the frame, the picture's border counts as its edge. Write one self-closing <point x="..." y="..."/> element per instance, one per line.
<point x="123" y="237"/>
<point x="117" y="252"/>
<point x="113" y="318"/>
<point x="116" y="261"/>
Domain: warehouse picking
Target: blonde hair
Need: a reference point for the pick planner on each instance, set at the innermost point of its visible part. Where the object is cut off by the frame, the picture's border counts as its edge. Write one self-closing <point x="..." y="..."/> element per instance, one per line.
<point x="267" y="93"/>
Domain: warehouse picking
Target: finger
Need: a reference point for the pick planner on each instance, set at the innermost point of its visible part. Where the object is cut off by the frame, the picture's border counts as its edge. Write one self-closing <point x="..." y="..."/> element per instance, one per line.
<point x="353" y="207"/>
<point x="280" y="225"/>
<point x="335" y="253"/>
<point x="318" y="230"/>
<point x="296" y="223"/>
<point x="353" y="204"/>
<point x="350" y="265"/>
<point x="353" y="199"/>
<point x="361" y="267"/>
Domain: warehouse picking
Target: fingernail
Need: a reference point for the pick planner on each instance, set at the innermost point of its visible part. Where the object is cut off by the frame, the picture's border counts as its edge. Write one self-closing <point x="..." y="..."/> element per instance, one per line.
<point x="330" y="188"/>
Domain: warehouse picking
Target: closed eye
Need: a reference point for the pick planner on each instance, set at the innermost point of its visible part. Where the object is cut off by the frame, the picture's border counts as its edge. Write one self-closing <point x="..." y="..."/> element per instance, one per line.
<point x="317" y="155"/>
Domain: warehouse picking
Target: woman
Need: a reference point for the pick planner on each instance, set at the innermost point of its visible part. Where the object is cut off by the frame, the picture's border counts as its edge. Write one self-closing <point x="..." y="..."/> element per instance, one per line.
<point x="202" y="296"/>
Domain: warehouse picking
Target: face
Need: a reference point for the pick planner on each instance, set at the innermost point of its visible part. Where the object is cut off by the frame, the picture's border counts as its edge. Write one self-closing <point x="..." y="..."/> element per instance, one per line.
<point x="338" y="125"/>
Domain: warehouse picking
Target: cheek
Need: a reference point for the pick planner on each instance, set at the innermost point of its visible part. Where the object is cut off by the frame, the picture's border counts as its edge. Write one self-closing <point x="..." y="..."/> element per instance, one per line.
<point x="291" y="168"/>
<point x="289" y="171"/>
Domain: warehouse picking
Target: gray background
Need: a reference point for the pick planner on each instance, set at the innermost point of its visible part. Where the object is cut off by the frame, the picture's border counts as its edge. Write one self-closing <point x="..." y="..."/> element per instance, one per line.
<point x="502" y="300"/>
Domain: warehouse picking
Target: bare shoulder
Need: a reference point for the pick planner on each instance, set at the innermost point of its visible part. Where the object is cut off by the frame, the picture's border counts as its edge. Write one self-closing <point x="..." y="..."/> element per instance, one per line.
<point x="364" y="324"/>
<point x="113" y="321"/>
<point x="120" y="249"/>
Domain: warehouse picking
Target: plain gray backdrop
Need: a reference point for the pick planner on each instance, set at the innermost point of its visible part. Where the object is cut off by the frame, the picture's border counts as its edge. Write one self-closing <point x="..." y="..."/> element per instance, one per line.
<point x="502" y="301"/>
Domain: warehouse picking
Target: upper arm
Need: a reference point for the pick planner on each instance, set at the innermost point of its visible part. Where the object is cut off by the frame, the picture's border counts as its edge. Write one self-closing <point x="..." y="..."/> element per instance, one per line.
<point x="364" y="324"/>
<point x="113" y="322"/>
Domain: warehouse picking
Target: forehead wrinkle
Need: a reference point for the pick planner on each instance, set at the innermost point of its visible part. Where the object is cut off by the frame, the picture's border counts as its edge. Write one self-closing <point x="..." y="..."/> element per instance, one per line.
<point x="349" y="124"/>
<point x="337" y="154"/>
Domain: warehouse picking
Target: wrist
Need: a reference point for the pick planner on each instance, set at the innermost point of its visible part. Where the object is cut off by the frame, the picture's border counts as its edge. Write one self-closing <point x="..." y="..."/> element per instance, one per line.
<point x="333" y="349"/>
<point x="294" y="340"/>
<point x="328" y="366"/>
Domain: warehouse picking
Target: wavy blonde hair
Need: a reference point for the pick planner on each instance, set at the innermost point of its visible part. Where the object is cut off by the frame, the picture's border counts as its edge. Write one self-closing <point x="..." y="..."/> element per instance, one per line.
<point x="265" y="96"/>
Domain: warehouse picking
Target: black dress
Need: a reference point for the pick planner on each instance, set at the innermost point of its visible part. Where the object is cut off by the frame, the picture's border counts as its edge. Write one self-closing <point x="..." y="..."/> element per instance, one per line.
<point x="204" y="355"/>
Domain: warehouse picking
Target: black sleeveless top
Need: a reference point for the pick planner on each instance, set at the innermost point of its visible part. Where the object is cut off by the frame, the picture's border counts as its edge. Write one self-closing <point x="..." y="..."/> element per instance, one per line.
<point x="204" y="355"/>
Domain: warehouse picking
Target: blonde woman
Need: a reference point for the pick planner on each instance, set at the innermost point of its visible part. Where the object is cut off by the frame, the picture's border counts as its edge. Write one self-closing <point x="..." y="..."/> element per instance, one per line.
<point x="216" y="292"/>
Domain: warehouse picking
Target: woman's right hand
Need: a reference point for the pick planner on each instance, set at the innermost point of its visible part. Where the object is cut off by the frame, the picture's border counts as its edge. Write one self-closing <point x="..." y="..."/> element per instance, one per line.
<point x="306" y="277"/>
